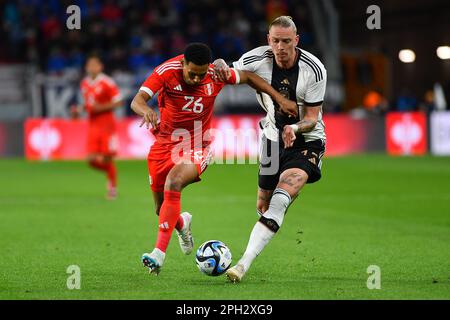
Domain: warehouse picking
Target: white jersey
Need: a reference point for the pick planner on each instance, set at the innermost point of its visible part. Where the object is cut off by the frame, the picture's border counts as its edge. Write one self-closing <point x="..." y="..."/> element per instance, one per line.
<point x="304" y="83"/>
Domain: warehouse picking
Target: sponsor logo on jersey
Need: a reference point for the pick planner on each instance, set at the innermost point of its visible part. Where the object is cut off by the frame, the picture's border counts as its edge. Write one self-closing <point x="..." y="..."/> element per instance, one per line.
<point x="178" y="88"/>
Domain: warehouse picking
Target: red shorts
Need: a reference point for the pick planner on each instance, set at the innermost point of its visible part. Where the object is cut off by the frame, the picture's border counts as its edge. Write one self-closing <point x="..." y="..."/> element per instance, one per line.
<point x="161" y="160"/>
<point x="102" y="140"/>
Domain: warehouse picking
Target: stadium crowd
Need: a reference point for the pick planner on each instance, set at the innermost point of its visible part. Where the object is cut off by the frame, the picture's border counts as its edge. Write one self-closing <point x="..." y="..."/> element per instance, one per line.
<point x="134" y="34"/>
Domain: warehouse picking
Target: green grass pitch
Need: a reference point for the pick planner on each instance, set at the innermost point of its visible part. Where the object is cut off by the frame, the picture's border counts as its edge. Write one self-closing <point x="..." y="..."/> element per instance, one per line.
<point x="393" y="212"/>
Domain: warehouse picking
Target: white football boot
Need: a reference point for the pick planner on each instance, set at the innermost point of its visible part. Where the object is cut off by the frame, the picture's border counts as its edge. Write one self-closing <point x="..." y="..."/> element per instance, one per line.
<point x="185" y="234"/>
<point x="154" y="260"/>
<point x="236" y="273"/>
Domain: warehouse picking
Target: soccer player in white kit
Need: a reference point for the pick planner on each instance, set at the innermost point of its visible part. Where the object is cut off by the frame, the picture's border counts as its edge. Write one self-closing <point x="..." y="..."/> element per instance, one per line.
<point x="292" y="146"/>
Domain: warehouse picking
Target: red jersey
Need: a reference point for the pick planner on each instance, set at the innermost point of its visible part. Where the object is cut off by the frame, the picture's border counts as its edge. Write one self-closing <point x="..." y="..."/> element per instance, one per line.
<point x="184" y="108"/>
<point x="102" y="89"/>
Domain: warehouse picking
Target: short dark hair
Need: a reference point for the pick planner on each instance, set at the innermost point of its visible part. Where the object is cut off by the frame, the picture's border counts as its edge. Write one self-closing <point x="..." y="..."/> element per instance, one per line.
<point x="94" y="55"/>
<point x="198" y="53"/>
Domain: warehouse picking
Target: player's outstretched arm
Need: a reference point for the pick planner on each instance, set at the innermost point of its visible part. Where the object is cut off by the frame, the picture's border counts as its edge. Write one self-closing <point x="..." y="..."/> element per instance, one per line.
<point x="307" y="124"/>
<point x="259" y="84"/>
<point x="140" y="107"/>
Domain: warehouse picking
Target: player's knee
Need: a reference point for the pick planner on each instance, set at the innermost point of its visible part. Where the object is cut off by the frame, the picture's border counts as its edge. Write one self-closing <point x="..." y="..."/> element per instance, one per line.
<point x="261" y="207"/>
<point x="262" y="204"/>
<point x="94" y="159"/>
<point x="292" y="181"/>
<point x="173" y="184"/>
<point x="92" y="162"/>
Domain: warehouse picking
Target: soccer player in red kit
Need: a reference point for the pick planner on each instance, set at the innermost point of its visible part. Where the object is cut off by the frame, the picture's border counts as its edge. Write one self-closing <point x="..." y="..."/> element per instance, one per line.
<point x="101" y="96"/>
<point x="187" y="90"/>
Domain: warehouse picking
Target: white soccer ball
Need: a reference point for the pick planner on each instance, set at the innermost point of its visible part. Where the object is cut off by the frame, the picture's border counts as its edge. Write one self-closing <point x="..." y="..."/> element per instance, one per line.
<point x="213" y="258"/>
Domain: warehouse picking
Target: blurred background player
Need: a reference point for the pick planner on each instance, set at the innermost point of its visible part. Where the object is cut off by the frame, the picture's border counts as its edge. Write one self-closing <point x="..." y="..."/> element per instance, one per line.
<point x="187" y="91"/>
<point x="101" y="96"/>
<point x="294" y="144"/>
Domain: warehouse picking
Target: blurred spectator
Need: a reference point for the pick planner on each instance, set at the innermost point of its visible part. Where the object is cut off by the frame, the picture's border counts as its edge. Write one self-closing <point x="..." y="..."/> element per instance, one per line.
<point x="275" y="8"/>
<point x="374" y="102"/>
<point x="56" y="61"/>
<point x="136" y="59"/>
<point x="111" y="12"/>
<point x="428" y="105"/>
<point x="177" y="43"/>
<point x="50" y="27"/>
<point x="406" y="101"/>
<point x="76" y="59"/>
<point x="116" y="58"/>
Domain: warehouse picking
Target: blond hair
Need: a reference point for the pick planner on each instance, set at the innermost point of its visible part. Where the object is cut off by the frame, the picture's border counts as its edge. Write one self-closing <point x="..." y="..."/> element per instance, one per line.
<point x="284" y="22"/>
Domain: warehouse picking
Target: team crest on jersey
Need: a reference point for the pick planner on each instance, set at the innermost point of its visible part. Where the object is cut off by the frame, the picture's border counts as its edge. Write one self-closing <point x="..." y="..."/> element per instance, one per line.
<point x="284" y="90"/>
<point x="209" y="89"/>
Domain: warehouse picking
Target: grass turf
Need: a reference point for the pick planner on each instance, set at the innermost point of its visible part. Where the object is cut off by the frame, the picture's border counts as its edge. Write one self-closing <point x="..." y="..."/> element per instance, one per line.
<point x="366" y="210"/>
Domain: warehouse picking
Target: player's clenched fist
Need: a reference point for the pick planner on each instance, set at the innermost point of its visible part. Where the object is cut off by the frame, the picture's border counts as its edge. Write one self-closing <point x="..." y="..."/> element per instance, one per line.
<point x="149" y="117"/>
<point x="221" y="70"/>
<point x="288" y="136"/>
<point x="289" y="107"/>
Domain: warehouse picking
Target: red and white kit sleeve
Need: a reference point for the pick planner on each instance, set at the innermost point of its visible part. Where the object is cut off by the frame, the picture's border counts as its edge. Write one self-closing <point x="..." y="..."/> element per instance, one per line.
<point x="234" y="78"/>
<point x="152" y="84"/>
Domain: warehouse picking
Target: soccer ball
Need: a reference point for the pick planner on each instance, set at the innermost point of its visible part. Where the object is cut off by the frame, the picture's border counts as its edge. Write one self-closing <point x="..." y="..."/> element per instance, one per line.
<point x="213" y="258"/>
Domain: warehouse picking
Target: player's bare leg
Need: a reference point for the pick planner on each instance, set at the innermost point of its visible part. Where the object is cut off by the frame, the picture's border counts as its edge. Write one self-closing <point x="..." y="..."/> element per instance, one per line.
<point x="112" y="177"/>
<point x="178" y="178"/>
<point x="105" y="163"/>
<point x="158" y="198"/>
<point x="290" y="183"/>
<point x="263" y="201"/>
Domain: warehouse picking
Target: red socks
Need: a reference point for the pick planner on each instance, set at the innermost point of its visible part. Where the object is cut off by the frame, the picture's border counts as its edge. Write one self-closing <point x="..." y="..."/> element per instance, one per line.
<point x="168" y="218"/>
<point x="109" y="168"/>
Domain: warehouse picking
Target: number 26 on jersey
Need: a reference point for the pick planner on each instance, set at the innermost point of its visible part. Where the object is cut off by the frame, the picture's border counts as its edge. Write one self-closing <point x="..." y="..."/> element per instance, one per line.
<point x="193" y="106"/>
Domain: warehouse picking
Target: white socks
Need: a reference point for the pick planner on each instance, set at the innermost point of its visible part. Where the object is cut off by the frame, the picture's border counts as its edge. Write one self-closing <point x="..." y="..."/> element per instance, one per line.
<point x="259" y="238"/>
<point x="279" y="203"/>
<point x="261" y="234"/>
